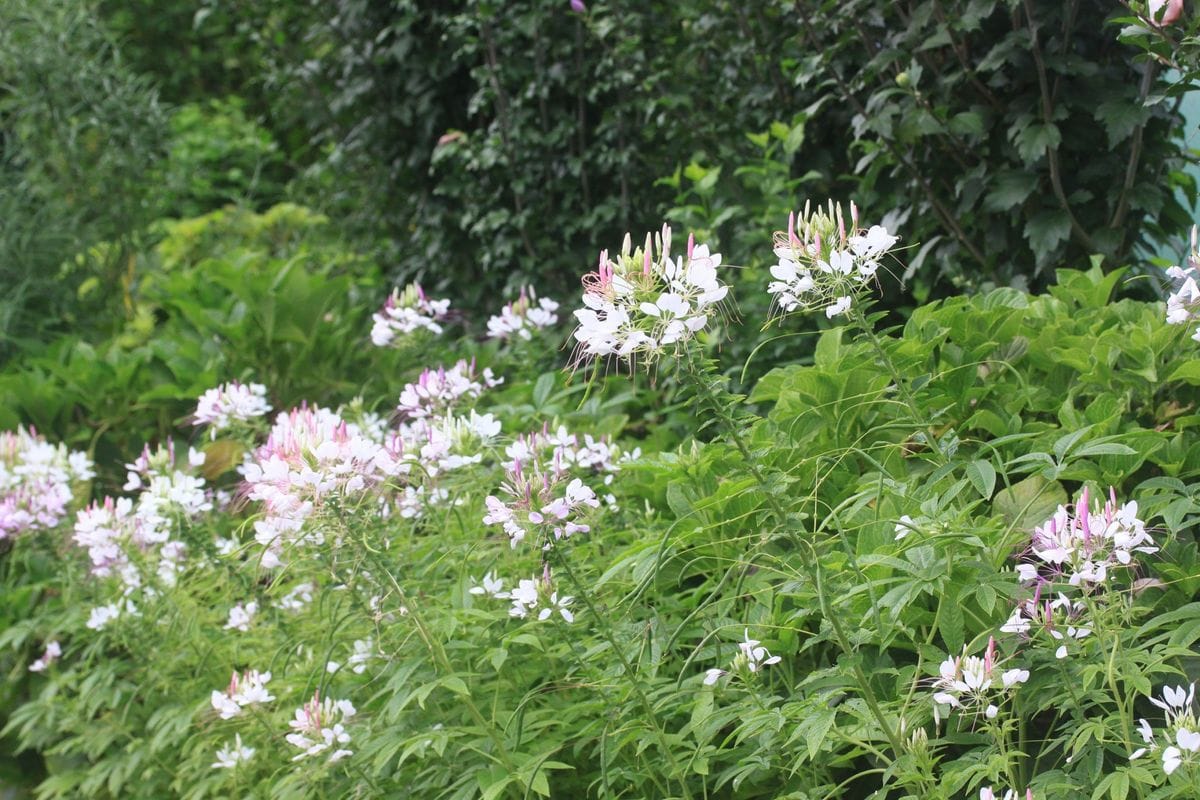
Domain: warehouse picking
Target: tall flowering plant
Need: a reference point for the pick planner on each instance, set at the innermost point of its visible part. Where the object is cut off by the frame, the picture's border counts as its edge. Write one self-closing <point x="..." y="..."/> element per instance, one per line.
<point x="36" y="479"/>
<point x="1183" y="302"/>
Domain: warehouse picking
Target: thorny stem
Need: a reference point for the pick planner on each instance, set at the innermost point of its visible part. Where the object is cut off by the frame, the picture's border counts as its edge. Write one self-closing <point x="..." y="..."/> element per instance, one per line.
<point x="634" y="683"/>
<point x="709" y="395"/>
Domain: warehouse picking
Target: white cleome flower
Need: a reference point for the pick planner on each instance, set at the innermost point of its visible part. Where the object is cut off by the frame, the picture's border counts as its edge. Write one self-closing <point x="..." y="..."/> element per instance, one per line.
<point x="644" y="303"/>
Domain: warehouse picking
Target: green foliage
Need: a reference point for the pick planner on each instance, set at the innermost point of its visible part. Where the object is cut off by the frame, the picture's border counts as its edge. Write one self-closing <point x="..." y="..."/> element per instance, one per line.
<point x="229" y="295"/>
<point x="990" y="138"/>
<point x="1015" y="134"/>
<point x="968" y="426"/>
<point x="526" y="132"/>
<point x="82" y="138"/>
<point x="217" y="156"/>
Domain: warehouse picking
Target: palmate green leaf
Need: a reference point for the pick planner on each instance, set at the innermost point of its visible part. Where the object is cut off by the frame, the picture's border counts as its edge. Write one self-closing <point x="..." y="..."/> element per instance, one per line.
<point x="1115" y="784"/>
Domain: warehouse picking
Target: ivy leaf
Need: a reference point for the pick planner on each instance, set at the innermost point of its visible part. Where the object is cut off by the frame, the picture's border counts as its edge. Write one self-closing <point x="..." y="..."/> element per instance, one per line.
<point x="1046" y="230"/>
<point x="1034" y="139"/>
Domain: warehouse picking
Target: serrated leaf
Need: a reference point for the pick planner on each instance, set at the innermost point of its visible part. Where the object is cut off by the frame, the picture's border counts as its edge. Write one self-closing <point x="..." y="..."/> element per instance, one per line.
<point x="1009" y="189"/>
<point x="1046" y="230"/>
<point x="967" y="123"/>
<point x="818" y="726"/>
<point x="950" y="621"/>
<point x="1035" y="138"/>
<point x="1120" y="117"/>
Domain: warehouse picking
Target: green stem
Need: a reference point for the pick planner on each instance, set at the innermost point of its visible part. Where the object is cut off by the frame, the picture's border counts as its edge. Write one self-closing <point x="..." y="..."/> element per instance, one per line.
<point x="860" y="321"/>
<point x="709" y="395"/>
<point x="606" y="630"/>
<point x="443" y="663"/>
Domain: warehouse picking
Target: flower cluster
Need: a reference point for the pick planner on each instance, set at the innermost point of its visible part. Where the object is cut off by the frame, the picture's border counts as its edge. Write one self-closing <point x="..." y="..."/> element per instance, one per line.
<point x="1182" y="729"/>
<point x="318" y="727"/>
<point x="407" y="312"/>
<point x="1183" y="303"/>
<point x="247" y="690"/>
<point x="311" y="456"/>
<point x="643" y="305"/>
<point x="364" y="651"/>
<point x="988" y="793"/>
<point x="438" y="391"/>
<point x="527" y="596"/>
<point x="124" y="535"/>
<point x="51" y="654"/>
<point x="230" y="404"/>
<point x="35" y="481"/>
<point x="537" y="506"/>
<point x="561" y="451"/>
<point x="314" y="457"/>
<point x="230" y="756"/>
<point x="241" y="616"/>
<point x="1063" y="619"/>
<point x="822" y="264"/>
<point x="1084" y="544"/>
<point x="297" y="598"/>
<point x="751" y="656"/>
<point x="450" y="442"/>
<point x="971" y="682"/>
<point x="100" y="616"/>
<point x="521" y="317"/>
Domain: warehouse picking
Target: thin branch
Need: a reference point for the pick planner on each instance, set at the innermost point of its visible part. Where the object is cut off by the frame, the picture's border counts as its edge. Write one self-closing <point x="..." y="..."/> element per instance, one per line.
<point x="1135" y="151"/>
<point x="935" y="202"/>
<point x="1077" y="230"/>
<point x="502" y="115"/>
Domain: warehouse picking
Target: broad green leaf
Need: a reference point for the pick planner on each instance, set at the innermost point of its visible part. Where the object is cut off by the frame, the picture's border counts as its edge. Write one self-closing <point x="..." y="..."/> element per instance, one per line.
<point x="1030" y="502"/>
<point x="1188" y="372"/>
<point x="983" y="477"/>
<point x="1009" y="189"/>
